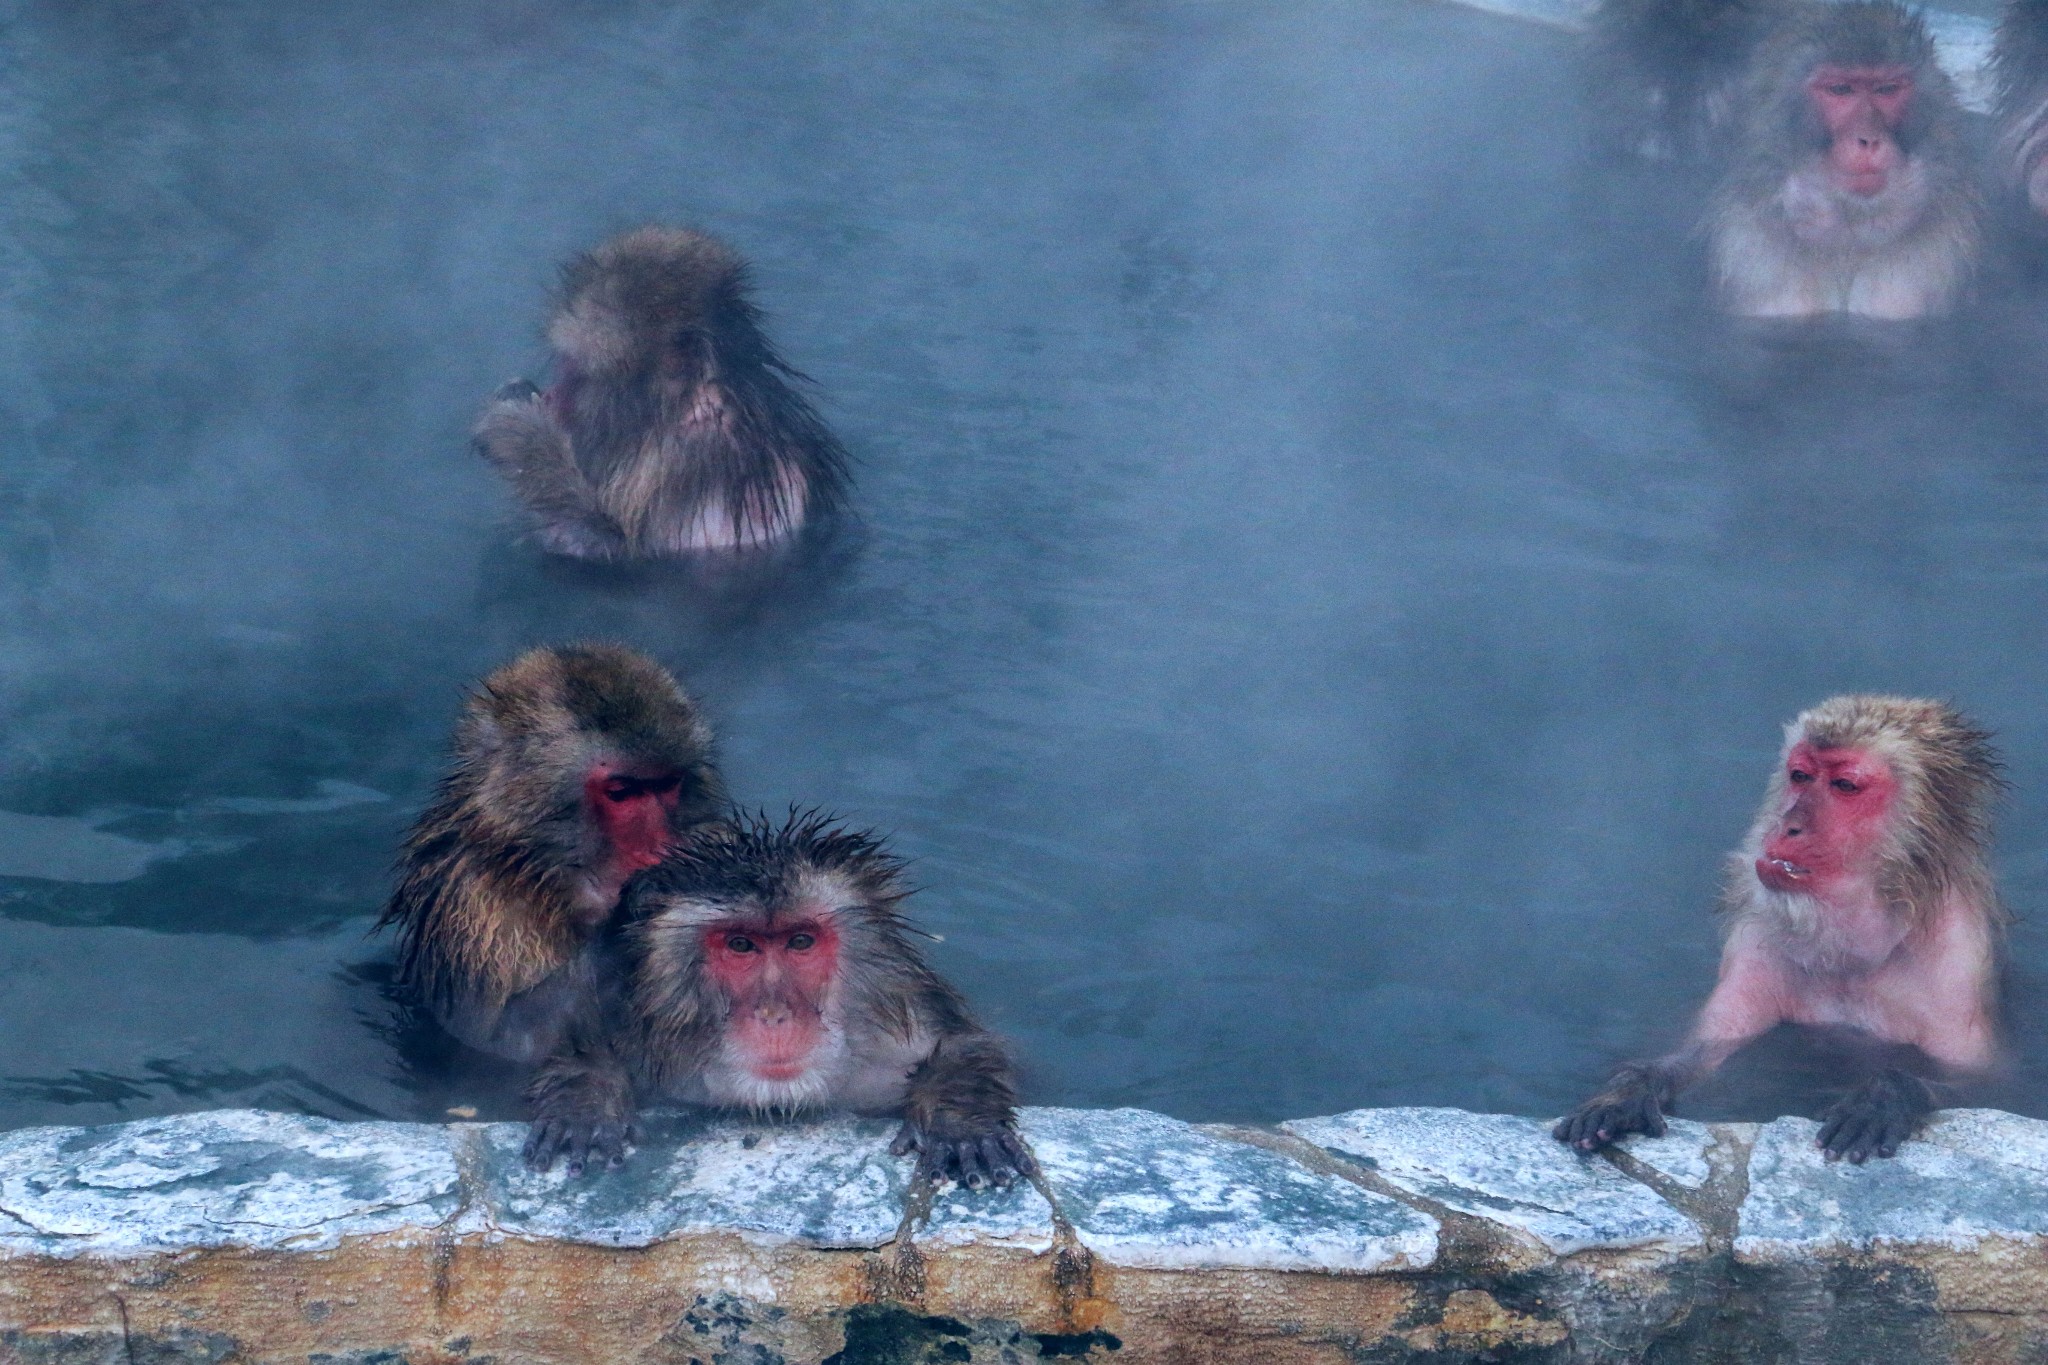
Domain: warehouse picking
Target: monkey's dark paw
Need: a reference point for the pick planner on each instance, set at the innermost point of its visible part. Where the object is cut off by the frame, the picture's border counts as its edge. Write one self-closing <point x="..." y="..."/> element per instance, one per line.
<point x="1606" y="1119"/>
<point x="584" y="1142"/>
<point x="518" y="391"/>
<point x="989" y="1159"/>
<point x="1873" y="1119"/>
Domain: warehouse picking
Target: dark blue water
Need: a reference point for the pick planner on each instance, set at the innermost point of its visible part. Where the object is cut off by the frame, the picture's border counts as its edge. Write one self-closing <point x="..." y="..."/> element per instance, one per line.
<point x="1323" y="596"/>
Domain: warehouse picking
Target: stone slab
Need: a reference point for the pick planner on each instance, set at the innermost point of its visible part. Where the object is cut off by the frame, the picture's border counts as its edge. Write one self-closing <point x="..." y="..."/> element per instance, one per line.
<point x="824" y="1183"/>
<point x="1147" y="1191"/>
<point x="231" y="1177"/>
<point x="1510" y="1171"/>
<point x="1973" y="1175"/>
<point x="1680" y="1156"/>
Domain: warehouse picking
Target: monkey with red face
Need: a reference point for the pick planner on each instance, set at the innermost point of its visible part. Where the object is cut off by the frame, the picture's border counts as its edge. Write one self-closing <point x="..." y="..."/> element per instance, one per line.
<point x="672" y="425"/>
<point x="573" y="769"/>
<point x="1850" y="189"/>
<point x="1861" y="899"/>
<point x="768" y="968"/>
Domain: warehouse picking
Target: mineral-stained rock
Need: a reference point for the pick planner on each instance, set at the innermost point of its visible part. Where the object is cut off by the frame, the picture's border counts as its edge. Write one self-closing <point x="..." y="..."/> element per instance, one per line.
<point x="1425" y="1235"/>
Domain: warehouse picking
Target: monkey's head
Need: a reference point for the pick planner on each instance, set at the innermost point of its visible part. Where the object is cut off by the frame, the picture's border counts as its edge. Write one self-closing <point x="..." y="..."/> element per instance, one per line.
<point x="590" y="755"/>
<point x="758" y="935"/>
<point x="645" y="306"/>
<point x="1880" y="792"/>
<point x="1856" y="86"/>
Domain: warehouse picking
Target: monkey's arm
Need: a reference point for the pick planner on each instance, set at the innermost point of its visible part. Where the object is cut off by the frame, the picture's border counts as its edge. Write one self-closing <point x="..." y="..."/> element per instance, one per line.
<point x="582" y="1108"/>
<point x="960" y="1114"/>
<point x="519" y="435"/>
<point x="1747" y="1001"/>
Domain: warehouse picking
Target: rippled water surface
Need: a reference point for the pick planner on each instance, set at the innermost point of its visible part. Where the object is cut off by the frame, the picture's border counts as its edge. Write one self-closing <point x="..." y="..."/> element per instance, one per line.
<point x="1322" y="601"/>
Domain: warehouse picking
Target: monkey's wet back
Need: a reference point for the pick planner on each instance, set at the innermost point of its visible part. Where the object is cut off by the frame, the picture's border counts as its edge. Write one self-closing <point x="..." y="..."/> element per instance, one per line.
<point x="1321" y="591"/>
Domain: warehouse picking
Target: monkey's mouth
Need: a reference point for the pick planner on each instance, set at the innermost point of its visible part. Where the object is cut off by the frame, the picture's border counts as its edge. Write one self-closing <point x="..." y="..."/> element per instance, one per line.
<point x="1782" y="874"/>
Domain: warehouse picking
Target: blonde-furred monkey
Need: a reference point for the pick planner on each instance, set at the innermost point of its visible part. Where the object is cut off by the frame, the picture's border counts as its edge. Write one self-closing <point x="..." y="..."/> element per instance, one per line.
<point x="1861" y="899"/>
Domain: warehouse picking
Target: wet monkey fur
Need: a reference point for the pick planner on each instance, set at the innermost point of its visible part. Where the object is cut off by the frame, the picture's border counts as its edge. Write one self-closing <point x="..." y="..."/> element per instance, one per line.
<point x="672" y="426"/>
<point x="2019" y="110"/>
<point x="572" y="769"/>
<point x="1849" y="186"/>
<point x="1862" y="898"/>
<point x="768" y="968"/>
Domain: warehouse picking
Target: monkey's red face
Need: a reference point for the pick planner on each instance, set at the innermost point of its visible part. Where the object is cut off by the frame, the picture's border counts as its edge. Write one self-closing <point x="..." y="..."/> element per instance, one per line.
<point x="776" y="981"/>
<point x="1829" y="834"/>
<point x="1862" y="108"/>
<point x="632" y="808"/>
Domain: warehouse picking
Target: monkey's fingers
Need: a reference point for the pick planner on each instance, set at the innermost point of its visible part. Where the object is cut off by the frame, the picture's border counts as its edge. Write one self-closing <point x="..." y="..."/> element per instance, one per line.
<point x="967" y="1156"/>
<point x="516" y="391"/>
<point x="1847" y="1133"/>
<point x="906" y="1141"/>
<point x="1000" y="1163"/>
<point x="543" y="1141"/>
<point x="1018" y="1155"/>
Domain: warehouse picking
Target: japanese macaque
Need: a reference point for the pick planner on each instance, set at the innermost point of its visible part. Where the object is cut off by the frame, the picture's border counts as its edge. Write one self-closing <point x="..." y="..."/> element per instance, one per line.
<point x="573" y="769"/>
<point x="1861" y="899"/>
<point x="1850" y="188"/>
<point x="768" y="968"/>
<point x="672" y="425"/>
<point x="1664" y="74"/>
<point x="2019" y="110"/>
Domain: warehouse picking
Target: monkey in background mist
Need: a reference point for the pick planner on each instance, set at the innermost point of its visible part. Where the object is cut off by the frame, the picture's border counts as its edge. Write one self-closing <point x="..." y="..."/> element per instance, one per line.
<point x="573" y="768"/>
<point x="672" y="425"/>
<point x="2019" y="109"/>
<point x="1663" y="76"/>
<point x="1862" y="899"/>
<point x="1850" y="187"/>
<point x="769" y="968"/>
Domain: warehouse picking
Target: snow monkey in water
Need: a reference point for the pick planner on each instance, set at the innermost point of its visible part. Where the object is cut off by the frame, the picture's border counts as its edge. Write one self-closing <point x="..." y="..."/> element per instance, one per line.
<point x="1850" y="188"/>
<point x="573" y="769"/>
<point x="1861" y="898"/>
<point x="2019" y="65"/>
<point x="768" y="968"/>
<point x="672" y="425"/>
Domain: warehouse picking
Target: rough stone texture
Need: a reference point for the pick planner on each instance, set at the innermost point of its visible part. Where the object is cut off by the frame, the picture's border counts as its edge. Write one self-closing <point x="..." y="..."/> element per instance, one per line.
<point x="1370" y="1237"/>
<point x="1510" y="1171"/>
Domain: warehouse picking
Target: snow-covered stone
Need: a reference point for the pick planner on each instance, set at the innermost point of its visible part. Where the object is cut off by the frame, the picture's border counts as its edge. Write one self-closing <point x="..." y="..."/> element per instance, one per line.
<point x="1973" y="1175"/>
<point x="1145" y="1190"/>
<point x="1510" y="1171"/>
<point x="232" y="1177"/>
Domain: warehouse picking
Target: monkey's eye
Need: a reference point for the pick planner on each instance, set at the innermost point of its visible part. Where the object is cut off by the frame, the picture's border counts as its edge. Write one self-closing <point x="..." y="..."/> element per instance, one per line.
<point x="1841" y="88"/>
<point x="1800" y="775"/>
<point x="1888" y="88"/>
<point x="799" y="942"/>
<point x="621" y="789"/>
<point x="1843" y="784"/>
<point x="738" y="943"/>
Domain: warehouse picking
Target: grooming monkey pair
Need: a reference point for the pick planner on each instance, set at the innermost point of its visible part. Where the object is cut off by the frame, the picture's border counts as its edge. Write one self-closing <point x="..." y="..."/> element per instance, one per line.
<point x="577" y="897"/>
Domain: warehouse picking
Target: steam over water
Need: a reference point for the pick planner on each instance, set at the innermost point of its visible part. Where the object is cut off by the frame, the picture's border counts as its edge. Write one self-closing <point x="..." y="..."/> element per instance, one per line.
<point x="1324" y="597"/>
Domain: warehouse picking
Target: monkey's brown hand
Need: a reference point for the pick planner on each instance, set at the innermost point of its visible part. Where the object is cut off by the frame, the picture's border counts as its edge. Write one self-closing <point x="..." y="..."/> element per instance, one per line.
<point x="1875" y="1117"/>
<point x="975" y="1156"/>
<point x="1632" y="1103"/>
<point x="586" y="1140"/>
<point x="517" y="391"/>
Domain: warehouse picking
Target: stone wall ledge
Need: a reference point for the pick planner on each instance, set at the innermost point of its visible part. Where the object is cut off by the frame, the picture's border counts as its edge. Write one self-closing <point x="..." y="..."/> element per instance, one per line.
<point x="1377" y="1235"/>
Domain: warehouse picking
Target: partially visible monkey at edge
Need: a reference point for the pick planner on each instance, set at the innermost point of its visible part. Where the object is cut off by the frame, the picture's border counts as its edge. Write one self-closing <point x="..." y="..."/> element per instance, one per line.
<point x="672" y="424"/>
<point x="2019" y="109"/>
<point x="1850" y="187"/>
<point x="769" y="968"/>
<point x="572" y="769"/>
<point x="1863" y="899"/>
